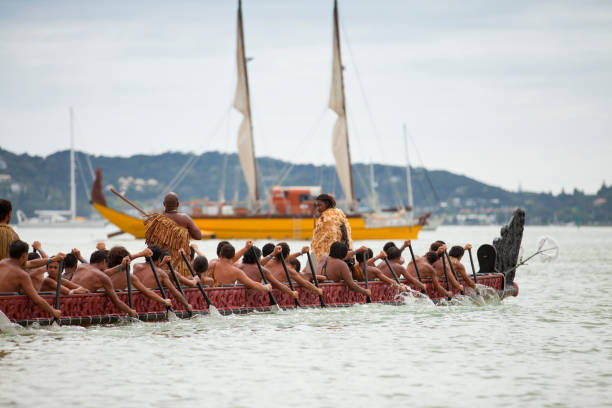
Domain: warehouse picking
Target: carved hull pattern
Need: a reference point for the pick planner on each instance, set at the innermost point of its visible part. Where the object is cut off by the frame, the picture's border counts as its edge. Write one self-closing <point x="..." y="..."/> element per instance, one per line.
<point x="96" y="308"/>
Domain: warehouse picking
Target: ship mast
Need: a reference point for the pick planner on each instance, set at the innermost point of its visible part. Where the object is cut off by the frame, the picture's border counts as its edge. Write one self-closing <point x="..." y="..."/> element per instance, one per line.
<point x="408" y="179"/>
<point x="72" y="169"/>
<point x="242" y="103"/>
<point x="340" y="140"/>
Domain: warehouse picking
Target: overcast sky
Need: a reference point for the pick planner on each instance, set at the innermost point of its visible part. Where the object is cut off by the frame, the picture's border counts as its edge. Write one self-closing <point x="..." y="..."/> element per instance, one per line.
<point x="506" y="92"/>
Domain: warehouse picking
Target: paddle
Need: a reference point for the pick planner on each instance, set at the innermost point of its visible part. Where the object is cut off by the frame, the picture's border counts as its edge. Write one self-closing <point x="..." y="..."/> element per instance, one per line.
<point x="416" y="268"/>
<point x="297" y="302"/>
<point x="365" y="274"/>
<point x="452" y="268"/>
<point x="472" y="263"/>
<point x="392" y="271"/>
<point x="159" y="285"/>
<point x="5" y="322"/>
<point x="178" y="284"/>
<point x="58" y="290"/>
<point x="446" y="277"/>
<point x="314" y="277"/>
<point x="208" y="302"/>
<point x="263" y="276"/>
<point x="128" y="278"/>
<point x="118" y="194"/>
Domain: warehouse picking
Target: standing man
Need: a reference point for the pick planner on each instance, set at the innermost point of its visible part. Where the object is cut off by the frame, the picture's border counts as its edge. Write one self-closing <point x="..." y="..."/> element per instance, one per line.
<point x="332" y="226"/>
<point x="7" y="234"/>
<point x="172" y="231"/>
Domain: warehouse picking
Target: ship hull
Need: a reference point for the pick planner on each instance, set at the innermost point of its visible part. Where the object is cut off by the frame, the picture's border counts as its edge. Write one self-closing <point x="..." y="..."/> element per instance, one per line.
<point x="297" y="227"/>
<point x="96" y="308"/>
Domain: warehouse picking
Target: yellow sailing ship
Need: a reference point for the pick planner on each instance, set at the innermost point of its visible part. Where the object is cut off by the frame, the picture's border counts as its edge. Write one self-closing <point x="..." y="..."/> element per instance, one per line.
<point x="289" y="217"/>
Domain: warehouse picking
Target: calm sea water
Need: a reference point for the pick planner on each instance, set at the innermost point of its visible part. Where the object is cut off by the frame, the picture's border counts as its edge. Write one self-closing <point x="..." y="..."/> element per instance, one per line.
<point x="549" y="347"/>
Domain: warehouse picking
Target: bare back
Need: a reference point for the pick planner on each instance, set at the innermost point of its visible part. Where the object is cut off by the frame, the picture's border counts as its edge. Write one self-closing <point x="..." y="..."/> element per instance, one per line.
<point x="90" y="277"/>
<point x="185" y="221"/>
<point x="143" y="272"/>
<point x="11" y="276"/>
<point x="252" y="271"/>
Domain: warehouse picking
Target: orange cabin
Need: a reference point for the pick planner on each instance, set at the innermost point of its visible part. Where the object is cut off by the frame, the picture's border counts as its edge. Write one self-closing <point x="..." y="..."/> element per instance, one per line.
<point x="295" y="199"/>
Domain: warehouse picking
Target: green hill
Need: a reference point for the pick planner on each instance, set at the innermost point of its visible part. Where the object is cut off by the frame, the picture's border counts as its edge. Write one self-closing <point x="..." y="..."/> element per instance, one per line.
<point x="33" y="182"/>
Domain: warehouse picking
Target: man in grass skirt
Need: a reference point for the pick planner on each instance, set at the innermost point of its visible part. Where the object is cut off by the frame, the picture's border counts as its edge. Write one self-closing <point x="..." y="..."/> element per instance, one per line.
<point x="172" y="231"/>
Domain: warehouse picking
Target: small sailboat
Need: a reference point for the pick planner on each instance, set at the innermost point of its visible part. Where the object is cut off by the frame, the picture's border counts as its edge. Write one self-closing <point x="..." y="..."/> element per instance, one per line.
<point x="290" y="214"/>
<point x="60" y="218"/>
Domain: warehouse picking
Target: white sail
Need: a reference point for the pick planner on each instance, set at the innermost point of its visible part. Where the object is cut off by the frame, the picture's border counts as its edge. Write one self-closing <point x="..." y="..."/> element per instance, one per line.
<point x="246" y="148"/>
<point x="340" y="143"/>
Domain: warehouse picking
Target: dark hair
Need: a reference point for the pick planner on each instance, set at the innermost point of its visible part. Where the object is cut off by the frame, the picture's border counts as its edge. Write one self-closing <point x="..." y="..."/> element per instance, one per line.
<point x="220" y="245"/>
<point x="393" y="253"/>
<point x="251" y="255"/>
<point x="18" y="248"/>
<point x="116" y="255"/>
<point x="331" y="201"/>
<point x="157" y="252"/>
<point x="5" y="208"/>
<point x="456" y="251"/>
<point x="296" y="265"/>
<point x="228" y="251"/>
<point x="70" y="260"/>
<point x="434" y="246"/>
<point x="389" y="245"/>
<point x="200" y="264"/>
<point x="431" y="257"/>
<point x="267" y="249"/>
<point x="33" y="255"/>
<point x="98" y="256"/>
<point x="368" y="253"/>
<point x="285" y="250"/>
<point x="338" y="250"/>
<point x="191" y="253"/>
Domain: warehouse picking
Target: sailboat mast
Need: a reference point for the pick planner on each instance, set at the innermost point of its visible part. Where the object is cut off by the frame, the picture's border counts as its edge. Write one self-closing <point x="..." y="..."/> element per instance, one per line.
<point x="408" y="178"/>
<point x="340" y="142"/>
<point x="242" y="102"/>
<point x="72" y="169"/>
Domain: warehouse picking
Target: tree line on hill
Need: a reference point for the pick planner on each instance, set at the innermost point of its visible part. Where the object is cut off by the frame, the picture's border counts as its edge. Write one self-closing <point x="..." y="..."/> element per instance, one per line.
<point x="34" y="182"/>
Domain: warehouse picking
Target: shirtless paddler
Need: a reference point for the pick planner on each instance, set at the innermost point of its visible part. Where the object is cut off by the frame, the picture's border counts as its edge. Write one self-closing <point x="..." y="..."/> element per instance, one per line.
<point x="172" y="231"/>
<point x="13" y="278"/>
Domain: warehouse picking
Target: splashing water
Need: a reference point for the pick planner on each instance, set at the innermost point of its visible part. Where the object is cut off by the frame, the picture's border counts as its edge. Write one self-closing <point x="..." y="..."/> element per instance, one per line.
<point x="213" y="312"/>
<point x="413" y="297"/>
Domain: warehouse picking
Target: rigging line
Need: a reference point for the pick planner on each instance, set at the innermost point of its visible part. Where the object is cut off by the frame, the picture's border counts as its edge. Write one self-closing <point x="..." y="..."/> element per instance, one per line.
<point x="284" y="173"/>
<point x="368" y="109"/>
<point x="416" y="149"/>
<point x="80" y="167"/>
<point x="193" y="159"/>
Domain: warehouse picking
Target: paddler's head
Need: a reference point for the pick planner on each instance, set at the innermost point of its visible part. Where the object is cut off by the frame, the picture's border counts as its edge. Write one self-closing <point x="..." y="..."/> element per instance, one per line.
<point x="456" y="252"/>
<point x="18" y="251"/>
<point x="251" y="255"/>
<point x="52" y="269"/>
<point x="368" y="253"/>
<point x="171" y="202"/>
<point x="338" y="250"/>
<point x="228" y="251"/>
<point x="285" y="250"/>
<point x="99" y="259"/>
<point x="431" y="257"/>
<point x="70" y="262"/>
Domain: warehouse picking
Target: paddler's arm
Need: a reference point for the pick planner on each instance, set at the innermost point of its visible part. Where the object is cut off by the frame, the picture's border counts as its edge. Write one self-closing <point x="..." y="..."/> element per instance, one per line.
<point x="196" y="250"/>
<point x="192" y="283"/>
<point x="177" y="295"/>
<point x="277" y="250"/>
<point x="118" y="268"/>
<point x="347" y="277"/>
<point x="144" y="253"/>
<point x="460" y="269"/>
<point x="37" y="246"/>
<point x="148" y="292"/>
<point x="26" y="285"/>
<point x="276" y="284"/>
<point x="241" y="277"/>
<point x="241" y="252"/>
<point x="193" y="229"/>
<point x="291" y="257"/>
<point x="35" y="263"/>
